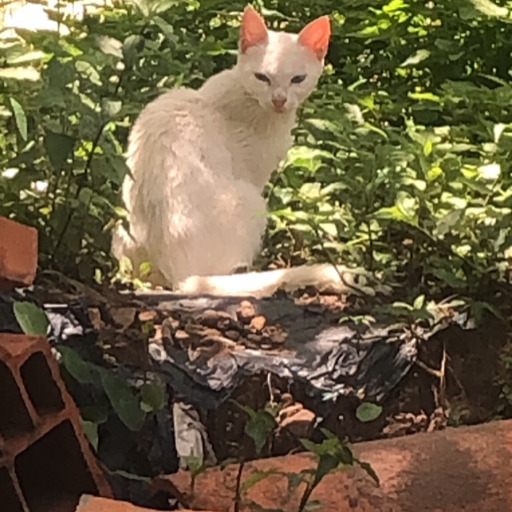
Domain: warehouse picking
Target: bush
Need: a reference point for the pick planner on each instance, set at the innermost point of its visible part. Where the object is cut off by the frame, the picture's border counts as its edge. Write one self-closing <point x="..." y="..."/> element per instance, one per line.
<point x="401" y="162"/>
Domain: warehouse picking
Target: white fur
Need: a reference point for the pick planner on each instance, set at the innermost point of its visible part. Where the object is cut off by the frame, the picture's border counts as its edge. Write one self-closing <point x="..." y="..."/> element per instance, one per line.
<point x="200" y="160"/>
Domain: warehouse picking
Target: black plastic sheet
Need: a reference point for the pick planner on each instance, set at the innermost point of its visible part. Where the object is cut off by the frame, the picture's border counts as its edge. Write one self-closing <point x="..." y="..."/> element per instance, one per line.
<point x="330" y="361"/>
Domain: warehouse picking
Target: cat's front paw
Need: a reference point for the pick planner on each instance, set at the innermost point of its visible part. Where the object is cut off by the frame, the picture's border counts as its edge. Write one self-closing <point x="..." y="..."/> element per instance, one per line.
<point x="241" y="268"/>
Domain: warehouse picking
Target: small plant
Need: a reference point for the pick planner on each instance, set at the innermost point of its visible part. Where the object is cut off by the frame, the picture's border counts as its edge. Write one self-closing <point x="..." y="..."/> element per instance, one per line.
<point x="332" y="454"/>
<point x="259" y="428"/>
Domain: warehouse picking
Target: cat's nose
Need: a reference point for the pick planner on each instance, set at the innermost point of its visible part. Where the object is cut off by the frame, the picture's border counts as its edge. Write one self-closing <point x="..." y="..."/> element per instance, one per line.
<point x="279" y="102"/>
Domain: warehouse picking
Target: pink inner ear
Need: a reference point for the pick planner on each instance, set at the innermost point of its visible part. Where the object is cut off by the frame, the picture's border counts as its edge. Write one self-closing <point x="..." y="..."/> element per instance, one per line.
<point x="253" y="30"/>
<point x="315" y="36"/>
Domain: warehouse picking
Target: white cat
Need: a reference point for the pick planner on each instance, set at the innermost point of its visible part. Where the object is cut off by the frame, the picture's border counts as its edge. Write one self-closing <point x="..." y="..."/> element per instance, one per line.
<point x="200" y="159"/>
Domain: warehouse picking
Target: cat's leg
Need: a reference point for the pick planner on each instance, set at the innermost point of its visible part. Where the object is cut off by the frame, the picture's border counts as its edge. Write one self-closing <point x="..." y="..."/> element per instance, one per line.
<point x="227" y="229"/>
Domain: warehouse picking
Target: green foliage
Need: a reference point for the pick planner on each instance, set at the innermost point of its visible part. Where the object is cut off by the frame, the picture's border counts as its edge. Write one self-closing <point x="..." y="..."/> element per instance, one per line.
<point x="367" y="412"/>
<point x="31" y="318"/>
<point x="91" y="431"/>
<point x="332" y="454"/>
<point x="260" y="425"/>
<point x="130" y="404"/>
<point x="402" y="155"/>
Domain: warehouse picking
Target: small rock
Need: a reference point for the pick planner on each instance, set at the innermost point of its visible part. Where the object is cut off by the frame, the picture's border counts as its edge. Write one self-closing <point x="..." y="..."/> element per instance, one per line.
<point x="95" y="318"/>
<point x="158" y="335"/>
<point x="123" y="317"/>
<point x="231" y="334"/>
<point x="246" y="311"/>
<point x="276" y="335"/>
<point x="211" y="332"/>
<point x="210" y="317"/>
<point x="193" y="329"/>
<point x="297" y="420"/>
<point x="224" y="324"/>
<point x="258" y="322"/>
<point x="180" y="335"/>
<point x="255" y="338"/>
<point x="147" y="316"/>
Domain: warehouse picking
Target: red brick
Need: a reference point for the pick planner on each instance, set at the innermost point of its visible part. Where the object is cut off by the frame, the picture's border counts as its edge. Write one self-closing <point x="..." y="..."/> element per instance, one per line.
<point x="93" y="504"/>
<point x="18" y="254"/>
<point x="459" y="469"/>
<point x="46" y="462"/>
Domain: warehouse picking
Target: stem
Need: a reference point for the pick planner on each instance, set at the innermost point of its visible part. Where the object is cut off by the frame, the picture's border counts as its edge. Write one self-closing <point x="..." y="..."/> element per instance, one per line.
<point x="370" y="248"/>
<point x="330" y="259"/>
<point x="305" y="497"/>
<point x="87" y="166"/>
<point x="79" y="188"/>
<point x="236" y="507"/>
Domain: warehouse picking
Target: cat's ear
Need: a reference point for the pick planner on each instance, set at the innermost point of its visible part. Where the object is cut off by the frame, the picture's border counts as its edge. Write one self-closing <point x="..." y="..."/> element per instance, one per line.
<point x="253" y="30"/>
<point x="315" y="36"/>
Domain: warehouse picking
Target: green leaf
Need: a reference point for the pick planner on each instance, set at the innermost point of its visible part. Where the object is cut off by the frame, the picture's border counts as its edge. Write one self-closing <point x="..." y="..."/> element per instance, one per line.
<point x="326" y="464"/>
<point x="20" y="117"/>
<point x="58" y="147"/>
<point x="91" y="431"/>
<point x="153" y="395"/>
<point x="259" y="427"/>
<point x="256" y="477"/>
<point x="368" y="411"/>
<point x="490" y="8"/>
<point x="419" y="302"/>
<point x="110" y="108"/>
<point x="123" y="400"/>
<point x="294" y="480"/>
<point x="416" y="58"/>
<point x="368" y="468"/>
<point x="132" y="45"/>
<point x="194" y="464"/>
<point x="77" y="367"/>
<point x="31" y="318"/>
<point x="20" y="73"/>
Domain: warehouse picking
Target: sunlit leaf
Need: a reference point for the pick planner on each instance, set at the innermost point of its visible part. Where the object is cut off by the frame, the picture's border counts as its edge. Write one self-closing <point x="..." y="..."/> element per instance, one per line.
<point x="20" y="117"/>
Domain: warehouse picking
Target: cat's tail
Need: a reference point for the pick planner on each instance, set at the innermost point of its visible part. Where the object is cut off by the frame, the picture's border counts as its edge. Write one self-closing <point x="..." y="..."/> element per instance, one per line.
<point x="324" y="277"/>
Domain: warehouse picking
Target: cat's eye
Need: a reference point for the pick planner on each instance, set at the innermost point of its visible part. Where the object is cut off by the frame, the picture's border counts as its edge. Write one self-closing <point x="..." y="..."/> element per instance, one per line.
<point x="262" y="78"/>
<point x="297" y="79"/>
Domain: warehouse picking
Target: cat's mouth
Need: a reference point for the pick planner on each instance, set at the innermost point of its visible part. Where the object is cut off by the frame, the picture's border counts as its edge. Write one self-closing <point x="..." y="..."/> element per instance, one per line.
<point x="279" y="104"/>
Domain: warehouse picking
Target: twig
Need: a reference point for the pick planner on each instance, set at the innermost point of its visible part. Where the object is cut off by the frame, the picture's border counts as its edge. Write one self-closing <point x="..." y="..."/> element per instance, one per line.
<point x="442" y="379"/>
<point x="330" y="259"/>
<point x="87" y="166"/>
<point x="439" y="374"/>
<point x="305" y="497"/>
<point x="270" y="390"/>
<point x="428" y="369"/>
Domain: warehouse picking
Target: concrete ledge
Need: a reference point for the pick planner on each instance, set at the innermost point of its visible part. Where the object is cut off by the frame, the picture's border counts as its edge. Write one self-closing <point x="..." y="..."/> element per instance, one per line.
<point x="465" y="469"/>
<point x="93" y="504"/>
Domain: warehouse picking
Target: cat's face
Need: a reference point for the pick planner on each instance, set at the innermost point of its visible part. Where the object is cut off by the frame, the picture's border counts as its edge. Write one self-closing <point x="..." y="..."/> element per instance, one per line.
<point x="280" y="69"/>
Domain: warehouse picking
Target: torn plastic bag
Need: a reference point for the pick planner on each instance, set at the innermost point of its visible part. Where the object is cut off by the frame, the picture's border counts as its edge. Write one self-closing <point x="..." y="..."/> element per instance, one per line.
<point x="329" y="361"/>
<point x="338" y="361"/>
